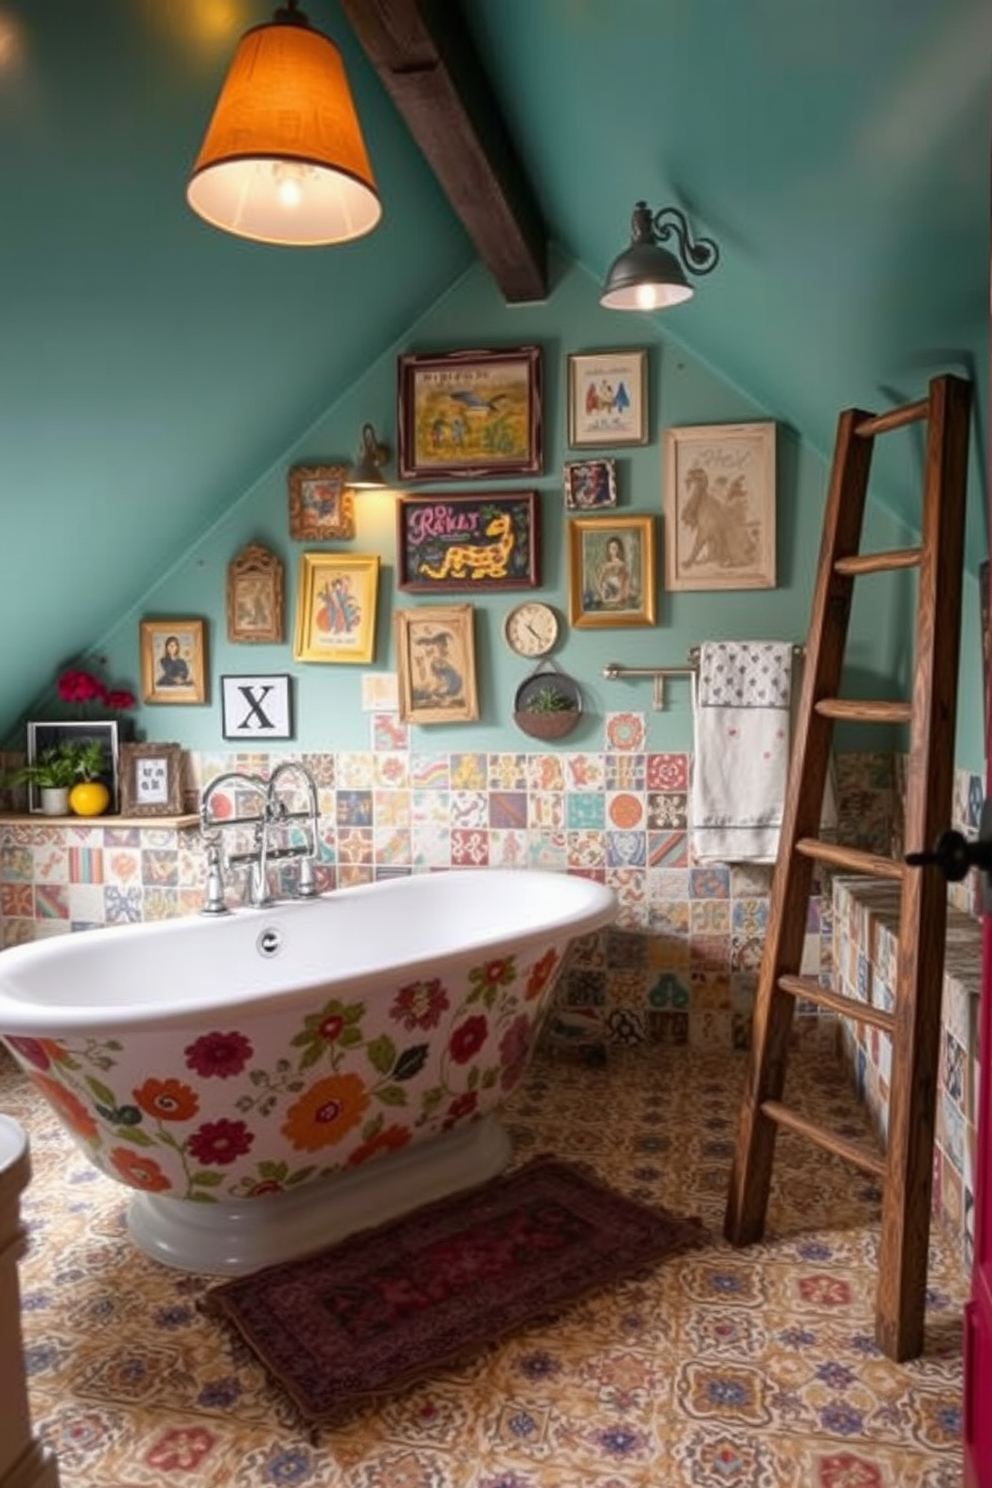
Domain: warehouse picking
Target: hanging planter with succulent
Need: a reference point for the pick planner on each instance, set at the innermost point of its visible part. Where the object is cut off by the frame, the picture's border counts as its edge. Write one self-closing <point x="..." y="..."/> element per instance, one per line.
<point x="548" y="704"/>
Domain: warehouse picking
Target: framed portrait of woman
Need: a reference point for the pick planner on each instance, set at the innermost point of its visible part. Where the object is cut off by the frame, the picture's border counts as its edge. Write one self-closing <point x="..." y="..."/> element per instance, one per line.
<point x="173" y="661"/>
<point x="611" y="571"/>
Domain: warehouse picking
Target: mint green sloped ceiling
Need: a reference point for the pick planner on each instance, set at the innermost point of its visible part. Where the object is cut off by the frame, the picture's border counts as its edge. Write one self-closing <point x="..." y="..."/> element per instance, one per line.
<point x="838" y="153"/>
<point x="151" y="366"/>
<point x="156" y="375"/>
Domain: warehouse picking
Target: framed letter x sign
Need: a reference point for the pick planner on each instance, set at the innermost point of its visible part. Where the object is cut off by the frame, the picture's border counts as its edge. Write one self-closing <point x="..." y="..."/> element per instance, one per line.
<point x="256" y="707"/>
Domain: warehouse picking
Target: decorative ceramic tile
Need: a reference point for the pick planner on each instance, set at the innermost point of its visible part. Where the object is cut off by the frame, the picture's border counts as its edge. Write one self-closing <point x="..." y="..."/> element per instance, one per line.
<point x="668" y="772"/>
<point x="546" y="809"/>
<point x="430" y="772"/>
<point x="469" y="772"/>
<point x="625" y="772"/>
<point x="624" y="732"/>
<point x="507" y="772"/>
<point x="469" y="809"/>
<point x="391" y="808"/>
<point x="584" y="772"/>
<point x="507" y="848"/>
<point x="545" y="772"/>
<point x="508" y="808"/>
<point x="391" y="770"/>
<point x="469" y="847"/>
<point x="387" y="731"/>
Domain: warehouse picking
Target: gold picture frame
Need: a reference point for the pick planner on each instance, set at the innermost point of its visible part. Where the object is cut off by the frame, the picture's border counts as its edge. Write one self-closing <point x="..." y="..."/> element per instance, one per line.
<point x="720" y="506"/>
<point x="435" y="662"/>
<point x="611" y="571"/>
<point x="321" y="505"/>
<point x="173" y="661"/>
<point x="255" y="612"/>
<point x="151" y="779"/>
<point x="336" y="607"/>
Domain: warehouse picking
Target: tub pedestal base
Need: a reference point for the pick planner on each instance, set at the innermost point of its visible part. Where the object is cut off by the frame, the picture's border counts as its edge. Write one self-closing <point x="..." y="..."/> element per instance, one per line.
<point x="230" y="1239"/>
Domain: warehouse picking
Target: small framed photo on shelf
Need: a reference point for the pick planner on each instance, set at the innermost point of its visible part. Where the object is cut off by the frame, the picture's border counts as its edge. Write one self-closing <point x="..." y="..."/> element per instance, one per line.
<point x="256" y="707"/>
<point x="173" y="661"/>
<point x="321" y="505"/>
<point x="611" y="571"/>
<point x="254" y="596"/>
<point x="607" y="398"/>
<point x="470" y="414"/>
<point x="435" y="661"/>
<point x="720" y="506"/>
<point x="590" y="484"/>
<point x="151" y="780"/>
<point x="335" y="607"/>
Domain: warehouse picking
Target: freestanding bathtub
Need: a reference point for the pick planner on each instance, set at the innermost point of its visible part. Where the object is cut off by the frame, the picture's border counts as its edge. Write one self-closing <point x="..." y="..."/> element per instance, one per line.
<point x="273" y="1079"/>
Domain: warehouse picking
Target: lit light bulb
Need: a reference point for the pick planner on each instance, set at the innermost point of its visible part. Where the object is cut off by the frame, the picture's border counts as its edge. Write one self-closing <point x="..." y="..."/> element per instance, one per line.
<point x="289" y="184"/>
<point x="647" y="297"/>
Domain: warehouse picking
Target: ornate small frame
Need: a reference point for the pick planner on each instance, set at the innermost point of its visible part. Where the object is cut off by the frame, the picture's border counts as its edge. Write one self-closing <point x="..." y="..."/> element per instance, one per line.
<point x="151" y="781"/>
<point x="255" y="596"/>
<point x="173" y="661"/>
<point x="435" y="662"/>
<point x="320" y="503"/>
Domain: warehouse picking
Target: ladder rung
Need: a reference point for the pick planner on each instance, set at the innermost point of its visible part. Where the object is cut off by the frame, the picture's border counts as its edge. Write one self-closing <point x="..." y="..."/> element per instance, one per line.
<point x="849" y="1151"/>
<point x="865" y="563"/>
<point x="859" y="710"/>
<point x="881" y="423"/>
<point x="848" y="1007"/>
<point x="851" y="858"/>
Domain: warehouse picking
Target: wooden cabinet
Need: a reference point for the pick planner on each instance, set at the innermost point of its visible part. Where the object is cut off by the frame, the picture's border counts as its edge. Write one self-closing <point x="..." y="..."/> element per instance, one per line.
<point x="978" y="1315"/>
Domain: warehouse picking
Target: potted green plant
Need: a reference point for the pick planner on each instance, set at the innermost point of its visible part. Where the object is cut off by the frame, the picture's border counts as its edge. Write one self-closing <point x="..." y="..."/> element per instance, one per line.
<point x="548" y="704"/>
<point x="59" y="770"/>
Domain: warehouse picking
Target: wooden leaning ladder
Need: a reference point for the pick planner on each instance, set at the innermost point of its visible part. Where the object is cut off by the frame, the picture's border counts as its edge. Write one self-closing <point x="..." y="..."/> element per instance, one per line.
<point x="905" y="1172"/>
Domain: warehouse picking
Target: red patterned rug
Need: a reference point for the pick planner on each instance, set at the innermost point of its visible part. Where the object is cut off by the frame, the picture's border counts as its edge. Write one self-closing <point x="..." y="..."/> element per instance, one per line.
<point x="380" y="1309"/>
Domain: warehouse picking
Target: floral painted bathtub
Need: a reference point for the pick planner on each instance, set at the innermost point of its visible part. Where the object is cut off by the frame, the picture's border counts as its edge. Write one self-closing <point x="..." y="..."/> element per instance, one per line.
<point x="211" y="1064"/>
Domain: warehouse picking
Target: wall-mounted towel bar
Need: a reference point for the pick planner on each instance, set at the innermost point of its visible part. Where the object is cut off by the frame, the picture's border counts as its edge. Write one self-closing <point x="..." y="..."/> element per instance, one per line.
<point x="613" y="670"/>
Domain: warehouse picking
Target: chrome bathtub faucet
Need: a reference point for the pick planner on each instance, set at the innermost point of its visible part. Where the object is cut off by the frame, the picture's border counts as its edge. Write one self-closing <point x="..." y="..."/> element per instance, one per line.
<point x="274" y="826"/>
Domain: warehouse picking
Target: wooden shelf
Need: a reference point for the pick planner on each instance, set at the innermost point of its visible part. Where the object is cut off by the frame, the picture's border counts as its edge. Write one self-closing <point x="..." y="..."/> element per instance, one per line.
<point x="39" y="819"/>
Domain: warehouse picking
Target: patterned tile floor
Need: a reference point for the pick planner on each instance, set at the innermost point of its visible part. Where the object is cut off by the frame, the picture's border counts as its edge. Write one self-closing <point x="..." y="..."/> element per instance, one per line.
<point x="753" y="1369"/>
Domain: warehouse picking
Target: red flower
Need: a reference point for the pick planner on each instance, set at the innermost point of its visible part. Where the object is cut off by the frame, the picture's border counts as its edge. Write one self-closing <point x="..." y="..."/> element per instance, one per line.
<point x="77" y="686"/>
<point x="221" y="1141"/>
<point x="119" y="699"/>
<point x="468" y="1039"/>
<point x="221" y="1054"/>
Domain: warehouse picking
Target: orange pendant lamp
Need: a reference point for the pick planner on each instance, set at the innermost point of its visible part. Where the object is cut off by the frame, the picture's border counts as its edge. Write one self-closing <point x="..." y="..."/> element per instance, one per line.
<point x="283" y="160"/>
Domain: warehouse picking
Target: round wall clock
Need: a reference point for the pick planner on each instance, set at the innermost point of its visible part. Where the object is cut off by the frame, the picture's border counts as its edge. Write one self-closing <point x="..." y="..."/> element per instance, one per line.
<point x="531" y="628"/>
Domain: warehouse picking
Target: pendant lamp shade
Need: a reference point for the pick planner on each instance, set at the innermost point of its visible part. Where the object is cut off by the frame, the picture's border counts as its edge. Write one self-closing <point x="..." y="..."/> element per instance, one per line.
<point x="283" y="160"/>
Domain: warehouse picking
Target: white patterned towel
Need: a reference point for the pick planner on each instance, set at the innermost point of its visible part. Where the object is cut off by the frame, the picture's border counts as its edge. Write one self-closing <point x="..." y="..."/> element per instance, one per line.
<point x="740" y="765"/>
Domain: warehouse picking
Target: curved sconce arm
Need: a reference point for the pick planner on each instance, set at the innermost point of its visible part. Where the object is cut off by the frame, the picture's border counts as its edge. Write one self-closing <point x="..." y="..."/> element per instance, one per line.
<point x="699" y="255"/>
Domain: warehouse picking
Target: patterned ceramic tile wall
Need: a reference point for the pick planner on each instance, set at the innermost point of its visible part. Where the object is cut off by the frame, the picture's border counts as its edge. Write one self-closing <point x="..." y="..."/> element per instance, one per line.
<point x="679" y="968"/>
<point x="866" y="918"/>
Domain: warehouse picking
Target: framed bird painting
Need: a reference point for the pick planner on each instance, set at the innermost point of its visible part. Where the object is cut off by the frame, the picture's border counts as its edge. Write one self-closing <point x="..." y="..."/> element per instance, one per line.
<point x="470" y="414"/>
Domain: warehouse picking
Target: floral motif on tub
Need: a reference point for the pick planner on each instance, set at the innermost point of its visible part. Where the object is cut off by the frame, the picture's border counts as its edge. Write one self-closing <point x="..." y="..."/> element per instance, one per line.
<point x="347" y="1082"/>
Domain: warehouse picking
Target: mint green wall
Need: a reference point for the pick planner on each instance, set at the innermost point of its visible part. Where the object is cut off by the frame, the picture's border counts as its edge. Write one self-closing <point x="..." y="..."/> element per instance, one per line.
<point x="682" y="391"/>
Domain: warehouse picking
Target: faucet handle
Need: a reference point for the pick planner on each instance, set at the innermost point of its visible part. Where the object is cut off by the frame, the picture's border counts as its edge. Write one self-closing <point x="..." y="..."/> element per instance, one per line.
<point x="307" y="884"/>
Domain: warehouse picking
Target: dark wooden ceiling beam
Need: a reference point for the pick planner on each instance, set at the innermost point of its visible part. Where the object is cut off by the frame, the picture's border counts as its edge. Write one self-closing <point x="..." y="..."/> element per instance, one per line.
<point x="425" y="57"/>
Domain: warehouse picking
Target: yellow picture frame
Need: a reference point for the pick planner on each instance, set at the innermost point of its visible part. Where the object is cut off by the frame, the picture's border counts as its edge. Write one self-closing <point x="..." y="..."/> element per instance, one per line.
<point x="336" y="608"/>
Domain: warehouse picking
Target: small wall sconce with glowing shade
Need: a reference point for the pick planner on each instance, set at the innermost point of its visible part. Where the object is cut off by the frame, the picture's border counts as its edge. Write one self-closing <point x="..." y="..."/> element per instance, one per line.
<point x="367" y="473"/>
<point x="283" y="159"/>
<point x="647" y="277"/>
